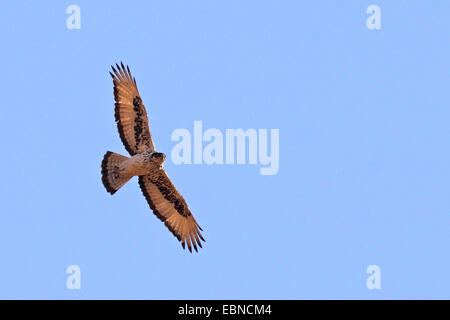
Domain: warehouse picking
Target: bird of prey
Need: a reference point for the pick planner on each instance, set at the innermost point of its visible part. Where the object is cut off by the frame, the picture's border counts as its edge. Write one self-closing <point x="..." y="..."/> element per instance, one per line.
<point x="162" y="196"/>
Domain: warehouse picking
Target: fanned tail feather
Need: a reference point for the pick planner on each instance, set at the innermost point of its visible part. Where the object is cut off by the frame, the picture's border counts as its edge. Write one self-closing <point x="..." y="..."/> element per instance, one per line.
<point x="111" y="178"/>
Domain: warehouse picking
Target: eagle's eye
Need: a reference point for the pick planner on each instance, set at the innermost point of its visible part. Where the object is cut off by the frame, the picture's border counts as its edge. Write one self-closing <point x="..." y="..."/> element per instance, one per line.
<point x="158" y="155"/>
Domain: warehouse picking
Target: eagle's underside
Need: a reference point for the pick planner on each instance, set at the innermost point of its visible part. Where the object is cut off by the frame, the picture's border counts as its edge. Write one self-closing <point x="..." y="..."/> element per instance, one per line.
<point x="162" y="196"/>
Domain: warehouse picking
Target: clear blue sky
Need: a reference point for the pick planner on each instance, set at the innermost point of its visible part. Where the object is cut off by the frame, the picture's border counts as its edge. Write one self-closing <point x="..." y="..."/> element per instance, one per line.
<point x="364" y="149"/>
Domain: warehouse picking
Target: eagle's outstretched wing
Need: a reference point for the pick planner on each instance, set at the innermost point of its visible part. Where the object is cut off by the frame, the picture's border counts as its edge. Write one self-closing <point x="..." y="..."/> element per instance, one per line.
<point x="169" y="206"/>
<point x="130" y="113"/>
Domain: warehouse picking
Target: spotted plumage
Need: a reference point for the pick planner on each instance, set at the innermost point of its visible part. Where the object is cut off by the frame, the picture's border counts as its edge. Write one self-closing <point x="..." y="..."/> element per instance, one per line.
<point x="162" y="196"/>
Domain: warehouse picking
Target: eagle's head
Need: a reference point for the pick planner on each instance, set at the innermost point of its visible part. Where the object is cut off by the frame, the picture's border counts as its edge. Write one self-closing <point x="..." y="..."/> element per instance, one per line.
<point x="158" y="157"/>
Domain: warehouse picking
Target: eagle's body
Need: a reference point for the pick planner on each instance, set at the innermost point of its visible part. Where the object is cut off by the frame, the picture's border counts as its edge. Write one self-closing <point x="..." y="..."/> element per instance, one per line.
<point x="162" y="196"/>
<point x="143" y="163"/>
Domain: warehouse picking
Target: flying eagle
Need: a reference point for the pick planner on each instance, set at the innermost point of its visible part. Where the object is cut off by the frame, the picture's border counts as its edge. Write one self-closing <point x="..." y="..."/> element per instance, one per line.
<point x="162" y="196"/>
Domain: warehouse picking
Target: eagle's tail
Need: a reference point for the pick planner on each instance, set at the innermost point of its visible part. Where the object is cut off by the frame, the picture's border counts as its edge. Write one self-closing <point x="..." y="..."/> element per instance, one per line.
<point x="111" y="178"/>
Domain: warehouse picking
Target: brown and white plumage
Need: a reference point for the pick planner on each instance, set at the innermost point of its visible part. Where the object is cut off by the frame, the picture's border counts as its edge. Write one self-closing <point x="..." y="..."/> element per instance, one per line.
<point x="130" y="113"/>
<point x="169" y="206"/>
<point x="162" y="196"/>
